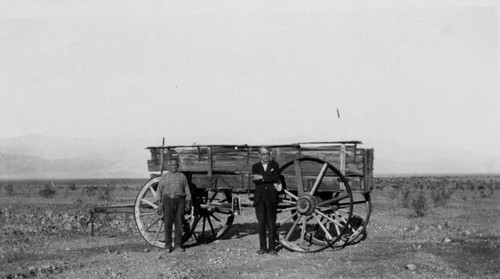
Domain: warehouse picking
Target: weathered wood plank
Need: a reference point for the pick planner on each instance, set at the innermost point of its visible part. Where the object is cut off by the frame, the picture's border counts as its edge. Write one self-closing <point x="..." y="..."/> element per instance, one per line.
<point x="368" y="170"/>
<point x="239" y="160"/>
<point x="242" y="182"/>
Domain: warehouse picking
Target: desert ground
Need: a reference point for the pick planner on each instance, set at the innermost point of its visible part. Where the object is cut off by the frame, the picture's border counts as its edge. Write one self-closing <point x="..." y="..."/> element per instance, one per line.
<point x="452" y="232"/>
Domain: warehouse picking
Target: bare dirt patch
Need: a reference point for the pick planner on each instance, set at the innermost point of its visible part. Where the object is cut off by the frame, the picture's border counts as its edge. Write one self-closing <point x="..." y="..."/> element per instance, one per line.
<point x="42" y="238"/>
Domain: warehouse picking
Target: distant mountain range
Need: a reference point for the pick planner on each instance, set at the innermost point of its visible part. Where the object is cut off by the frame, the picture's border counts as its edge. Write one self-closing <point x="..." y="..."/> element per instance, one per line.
<point x="35" y="156"/>
<point x="393" y="157"/>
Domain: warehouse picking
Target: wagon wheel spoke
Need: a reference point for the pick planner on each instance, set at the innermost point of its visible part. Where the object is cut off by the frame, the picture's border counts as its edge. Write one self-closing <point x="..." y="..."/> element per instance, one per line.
<point x="145" y="201"/>
<point x="334" y="200"/>
<point x="337" y="228"/>
<point x="318" y="180"/>
<point x="153" y="191"/>
<point x="292" y="229"/>
<point x="298" y="177"/>
<point x="311" y="223"/>
<point x="288" y="219"/>
<point x="193" y="226"/>
<point x="325" y="230"/>
<point x="219" y="210"/>
<point x="291" y="195"/>
<point x="211" y="225"/>
<point x="152" y="224"/>
<point x="286" y="206"/>
<point x="196" y="238"/>
<point x="289" y="202"/>
<point x="337" y="223"/>
<point x="352" y="231"/>
<point x="344" y="204"/>
<point x="211" y="199"/>
<point x="360" y="217"/>
<point x="213" y="216"/>
<point x="287" y="209"/>
<point x="341" y="216"/>
<point x="330" y="227"/>
<point x="203" y="228"/>
<point x="304" y="227"/>
<point x="159" y="229"/>
<point x="342" y="212"/>
<point x="145" y="214"/>
<point x="212" y="232"/>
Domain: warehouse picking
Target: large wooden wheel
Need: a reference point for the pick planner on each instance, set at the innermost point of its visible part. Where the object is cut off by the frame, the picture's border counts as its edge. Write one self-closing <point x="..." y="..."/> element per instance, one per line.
<point x="356" y="231"/>
<point x="212" y="215"/>
<point x="150" y="225"/>
<point x="318" y="204"/>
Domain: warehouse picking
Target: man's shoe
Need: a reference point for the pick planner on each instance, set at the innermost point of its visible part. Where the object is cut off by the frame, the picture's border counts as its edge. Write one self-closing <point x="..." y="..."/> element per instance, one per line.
<point x="273" y="252"/>
<point x="169" y="250"/>
<point x="180" y="249"/>
<point x="261" y="251"/>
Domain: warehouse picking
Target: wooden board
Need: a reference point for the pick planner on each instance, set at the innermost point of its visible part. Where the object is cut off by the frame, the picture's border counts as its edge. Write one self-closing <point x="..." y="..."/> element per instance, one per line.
<point x="235" y="162"/>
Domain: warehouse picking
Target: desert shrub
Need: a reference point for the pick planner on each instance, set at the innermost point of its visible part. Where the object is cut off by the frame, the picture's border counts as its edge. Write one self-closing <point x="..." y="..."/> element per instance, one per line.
<point x="492" y="190"/>
<point x="420" y="204"/>
<point x="393" y="193"/>
<point x="106" y="193"/>
<point x="441" y="196"/>
<point x="483" y="194"/>
<point x="406" y="197"/>
<point x="47" y="191"/>
<point x="125" y="187"/>
<point x="91" y="190"/>
<point x="9" y="190"/>
<point x="78" y="202"/>
<point x="72" y="186"/>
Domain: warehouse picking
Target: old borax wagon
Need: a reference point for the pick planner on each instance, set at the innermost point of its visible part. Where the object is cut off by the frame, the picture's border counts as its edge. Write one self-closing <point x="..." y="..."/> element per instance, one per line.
<point x="325" y="201"/>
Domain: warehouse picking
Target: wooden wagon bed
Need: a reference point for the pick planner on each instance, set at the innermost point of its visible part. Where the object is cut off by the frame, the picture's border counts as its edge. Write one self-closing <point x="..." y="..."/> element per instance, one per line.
<point x="230" y="166"/>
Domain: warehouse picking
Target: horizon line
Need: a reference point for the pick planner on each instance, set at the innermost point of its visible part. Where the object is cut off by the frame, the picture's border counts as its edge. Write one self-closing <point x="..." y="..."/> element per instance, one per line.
<point x="137" y="178"/>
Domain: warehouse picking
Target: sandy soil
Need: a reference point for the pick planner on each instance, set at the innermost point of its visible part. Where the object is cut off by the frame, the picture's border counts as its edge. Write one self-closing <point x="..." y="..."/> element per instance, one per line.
<point x="461" y="240"/>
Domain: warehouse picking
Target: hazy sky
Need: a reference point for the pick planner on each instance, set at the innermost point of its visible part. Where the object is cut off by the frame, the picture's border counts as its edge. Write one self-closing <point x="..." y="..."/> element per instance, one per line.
<point x="254" y="72"/>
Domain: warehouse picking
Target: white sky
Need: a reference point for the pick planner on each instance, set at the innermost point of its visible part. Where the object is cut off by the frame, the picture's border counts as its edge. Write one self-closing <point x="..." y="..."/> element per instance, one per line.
<point x="254" y="72"/>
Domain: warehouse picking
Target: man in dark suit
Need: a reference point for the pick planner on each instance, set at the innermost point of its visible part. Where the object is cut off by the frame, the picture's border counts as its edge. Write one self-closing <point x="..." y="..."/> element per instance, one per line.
<point x="264" y="175"/>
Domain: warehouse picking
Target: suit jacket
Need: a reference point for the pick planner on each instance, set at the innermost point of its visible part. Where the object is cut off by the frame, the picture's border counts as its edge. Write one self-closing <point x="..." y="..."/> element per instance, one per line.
<point x="270" y="176"/>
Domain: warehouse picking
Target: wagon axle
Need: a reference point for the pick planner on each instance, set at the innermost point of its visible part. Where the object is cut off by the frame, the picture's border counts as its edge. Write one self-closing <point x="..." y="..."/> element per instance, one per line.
<point x="306" y="204"/>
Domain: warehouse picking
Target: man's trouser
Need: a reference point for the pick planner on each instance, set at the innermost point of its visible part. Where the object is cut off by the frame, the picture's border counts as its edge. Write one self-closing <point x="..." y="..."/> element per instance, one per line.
<point x="173" y="212"/>
<point x="266" y="217"/>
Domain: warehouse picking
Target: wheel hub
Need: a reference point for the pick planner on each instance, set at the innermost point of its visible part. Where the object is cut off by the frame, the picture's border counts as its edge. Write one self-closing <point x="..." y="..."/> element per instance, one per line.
<point x="306" y="204"/>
